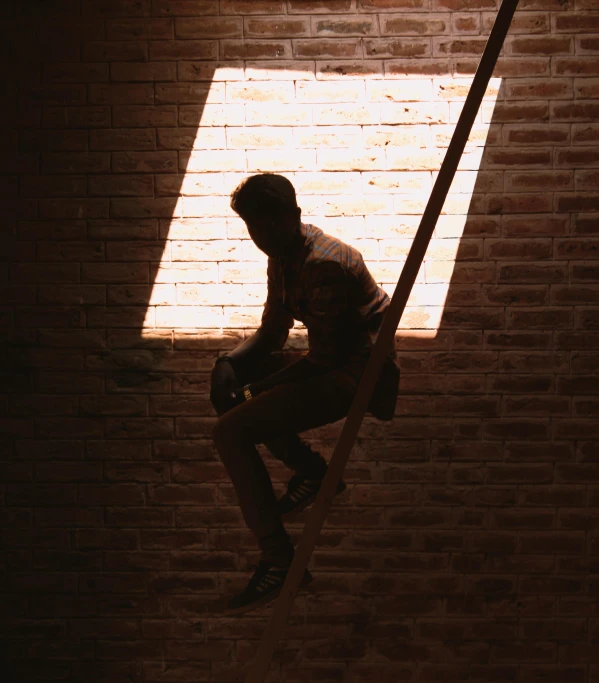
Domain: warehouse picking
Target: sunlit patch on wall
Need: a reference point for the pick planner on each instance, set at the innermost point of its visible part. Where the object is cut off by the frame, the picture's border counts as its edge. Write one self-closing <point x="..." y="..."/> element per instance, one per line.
<point x="362" y="152"/>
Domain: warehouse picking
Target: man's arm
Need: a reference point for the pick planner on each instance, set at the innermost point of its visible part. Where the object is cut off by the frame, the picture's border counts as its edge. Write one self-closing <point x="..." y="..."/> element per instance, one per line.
<point x="274" y="326"/>
<point x="331" y="329"/>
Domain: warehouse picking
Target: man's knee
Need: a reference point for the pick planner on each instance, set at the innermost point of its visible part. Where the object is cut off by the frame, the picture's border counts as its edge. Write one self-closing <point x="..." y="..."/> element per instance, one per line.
<point x="221" y="430"/>
<point x="231" y="429"/>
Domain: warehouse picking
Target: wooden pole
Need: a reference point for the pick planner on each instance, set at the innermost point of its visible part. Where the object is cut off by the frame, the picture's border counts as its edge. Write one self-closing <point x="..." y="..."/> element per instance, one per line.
<point x="259" y="667"/>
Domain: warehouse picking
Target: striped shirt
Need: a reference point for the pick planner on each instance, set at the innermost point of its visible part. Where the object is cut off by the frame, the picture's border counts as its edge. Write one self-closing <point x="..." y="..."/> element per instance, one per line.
<point x="326" y="285"/>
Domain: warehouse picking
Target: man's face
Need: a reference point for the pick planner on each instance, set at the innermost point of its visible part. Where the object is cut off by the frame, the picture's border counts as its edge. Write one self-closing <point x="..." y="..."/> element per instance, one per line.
<point x="273" y="235"/>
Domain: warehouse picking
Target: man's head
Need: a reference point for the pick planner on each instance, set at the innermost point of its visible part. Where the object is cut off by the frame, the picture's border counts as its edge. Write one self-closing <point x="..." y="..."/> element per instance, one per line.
<point x="267" y="204"/>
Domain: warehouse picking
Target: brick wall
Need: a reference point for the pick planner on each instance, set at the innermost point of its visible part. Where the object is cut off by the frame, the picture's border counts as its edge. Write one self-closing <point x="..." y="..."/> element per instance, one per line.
<point x="465" y="545"/>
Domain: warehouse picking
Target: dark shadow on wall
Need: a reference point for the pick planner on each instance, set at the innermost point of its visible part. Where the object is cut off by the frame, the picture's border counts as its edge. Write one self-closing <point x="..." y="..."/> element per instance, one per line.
<point x="112" y="531"/>
<point x="92" y="114"/>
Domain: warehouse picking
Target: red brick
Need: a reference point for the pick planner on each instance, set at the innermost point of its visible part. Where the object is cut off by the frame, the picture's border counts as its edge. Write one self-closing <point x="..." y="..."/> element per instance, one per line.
<point x="81" y="338"/>
<point x="534" y="226"/>
<point x="584" y="44"/>
<point x="510" y="112"/>
<point x="530" y="134"/>
<point x="173" y="93"/>
<point x="504" y="428"/>
<point x="75" y="427"/>
<point x="575" y="66"/>
<point x="519" y="203"/>
<point x="415" y="24"/>
<point x="121" y="185"/>
<point x="587" y="318"/>
<point x="540" y="45"/>
<point x="123" y="139"/>
<point x="546" y="318"/>
<point x="145" y="162"/>
<point x="585" y="384"/>
<point x="461" y="46"/>
<point x="303" y="6"/>
<point x="53" y="186"/>
<point x="347" y="26"/>
<point x="397" y="48"/>
<point x="114" y="51"/>
<point x="508" y="67"/>
<point x="586" y="363"/>
<point x="75" y="73"/>
<point x="73" y="208"/>
<point x="267" y="28"/>
<point x="521" y="249"/>
<point x="179" y="8"/>
<point x="70" y="251"/>
<point x="174" y="50"/>
<point x="53" y="140"/>
<point x="117" y="316"/>
<point x="45" y="272"/>
<point x="164" y="115"/>
<point x="558" y="88"/>
<point x="577" y="248"/>
<point x="505" y="158"/>
<point x="115" y="272"/>
<point x="124" y="229"/>
<point x="537" y="272"/>
<point x="208" y="27"/>
<point x="569" y="294"/>
<point x="464" y="23"/>
<point x="70" y="95"/>
<point x="88" y="162"/>
<point x="573" y="428"/>
<point x="256" y="6"/>
<point x="180" y="405"/>
<point x="132" y="71"/>
<point x="102" y="404"/>
<point x="586" y="88"/>
<point x="124" y="8"/>
<point x="514" y="295"/>
<point x="319" y="48"/>
<point x="71" y="295"/>
<point x="142" y="208"/>
<point x="577" y="340"/>
<point x="413" y="67"/>
<point x="526" y="406"/>
<point x="129" y="93"/>
<point x="135" y="251"/>
<point x="255" y="49"/>
<point x="585" y="272"/>
<point x="134" y="29"/>
<point x="577" y="157"/>
<point x="206" y="71"/>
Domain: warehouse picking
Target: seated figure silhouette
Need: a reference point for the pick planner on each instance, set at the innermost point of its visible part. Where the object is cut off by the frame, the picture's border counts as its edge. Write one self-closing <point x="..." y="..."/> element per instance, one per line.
<point x="262" y="397"/>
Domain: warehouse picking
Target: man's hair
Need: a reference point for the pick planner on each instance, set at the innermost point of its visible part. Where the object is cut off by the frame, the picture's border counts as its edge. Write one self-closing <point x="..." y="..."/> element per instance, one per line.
<point x="264" y="193"/>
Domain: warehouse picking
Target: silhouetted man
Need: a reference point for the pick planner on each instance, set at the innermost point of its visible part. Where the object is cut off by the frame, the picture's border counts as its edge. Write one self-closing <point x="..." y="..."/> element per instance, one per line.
<point x="262" y="398"/>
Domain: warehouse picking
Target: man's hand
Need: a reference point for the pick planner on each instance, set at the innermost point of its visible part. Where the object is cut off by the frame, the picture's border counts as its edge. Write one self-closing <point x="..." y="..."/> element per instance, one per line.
<point x="225" y="390"/>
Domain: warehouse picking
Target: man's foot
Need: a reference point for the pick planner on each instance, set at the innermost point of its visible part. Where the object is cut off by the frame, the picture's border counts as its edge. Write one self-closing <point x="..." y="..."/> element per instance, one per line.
<point x="301" y="493"/>
<point x="264" y="586"/>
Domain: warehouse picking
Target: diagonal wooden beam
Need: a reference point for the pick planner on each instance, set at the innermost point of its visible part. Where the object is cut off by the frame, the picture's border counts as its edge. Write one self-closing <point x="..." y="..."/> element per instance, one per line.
<point x="259" y="667"/>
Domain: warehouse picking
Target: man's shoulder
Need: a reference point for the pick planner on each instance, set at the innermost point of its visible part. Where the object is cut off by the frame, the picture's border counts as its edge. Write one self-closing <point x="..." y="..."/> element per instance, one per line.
<point x="330" y="249"/>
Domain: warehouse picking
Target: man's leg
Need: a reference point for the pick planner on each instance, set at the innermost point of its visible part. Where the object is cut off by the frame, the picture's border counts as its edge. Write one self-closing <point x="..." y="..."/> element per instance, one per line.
<point x="293" y="451"/>
<point x="288" y="408"/>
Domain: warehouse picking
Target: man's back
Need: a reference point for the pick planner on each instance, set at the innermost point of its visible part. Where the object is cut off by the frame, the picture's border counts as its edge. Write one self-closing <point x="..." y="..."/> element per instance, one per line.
<point x="326" y="285"/>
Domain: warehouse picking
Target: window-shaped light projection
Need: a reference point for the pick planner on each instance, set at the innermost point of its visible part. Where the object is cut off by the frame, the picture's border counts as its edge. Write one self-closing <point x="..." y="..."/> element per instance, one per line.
<point x="362" y="153"/>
